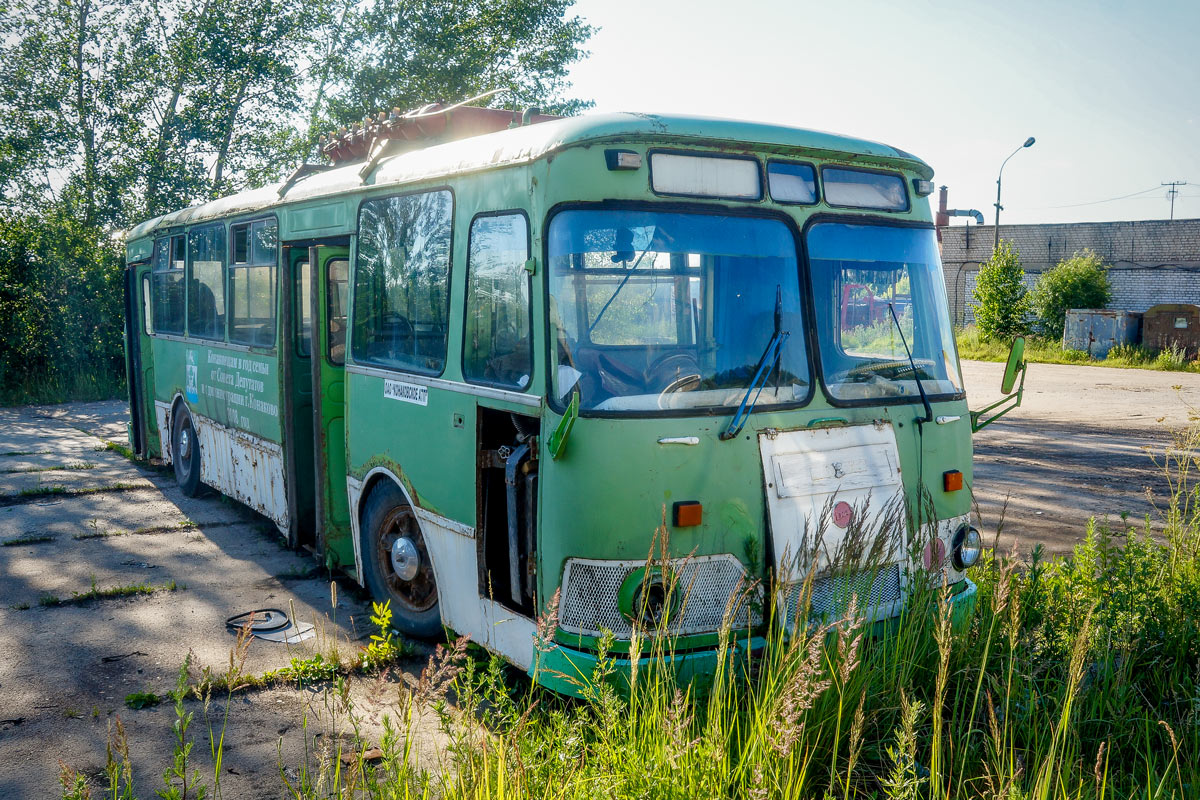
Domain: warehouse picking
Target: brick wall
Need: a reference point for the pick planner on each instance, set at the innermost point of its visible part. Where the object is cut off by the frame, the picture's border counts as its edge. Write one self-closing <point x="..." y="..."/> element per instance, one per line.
<point x="1153" y="261"/>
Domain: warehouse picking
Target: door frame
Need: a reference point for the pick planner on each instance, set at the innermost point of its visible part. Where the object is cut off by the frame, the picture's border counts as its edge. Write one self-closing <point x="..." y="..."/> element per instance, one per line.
<point x="290" y="251"/>
<point x="318" y="298"/>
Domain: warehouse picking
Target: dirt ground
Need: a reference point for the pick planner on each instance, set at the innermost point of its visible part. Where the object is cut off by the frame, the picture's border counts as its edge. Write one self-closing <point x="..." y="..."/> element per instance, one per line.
<point x="1083" y="444"/>
<point x="1080" y="446"/>
<point x="67" y="669"/>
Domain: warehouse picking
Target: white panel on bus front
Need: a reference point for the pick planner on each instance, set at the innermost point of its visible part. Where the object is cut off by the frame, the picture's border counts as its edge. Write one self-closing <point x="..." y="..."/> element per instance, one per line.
<point x="835" y="500"/>
<point x="847" y="478"/>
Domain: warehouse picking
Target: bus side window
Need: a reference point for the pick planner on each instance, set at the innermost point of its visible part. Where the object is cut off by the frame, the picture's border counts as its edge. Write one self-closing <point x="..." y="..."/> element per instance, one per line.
<point x="402" y="282"/>
<point x="147" y="313"/>
<point x="206" y="282"/>
<point x="252" y="283"/>
<point x="337" y="294"/>
<point x="168" y="285"/>
<point x="496" y="343"/>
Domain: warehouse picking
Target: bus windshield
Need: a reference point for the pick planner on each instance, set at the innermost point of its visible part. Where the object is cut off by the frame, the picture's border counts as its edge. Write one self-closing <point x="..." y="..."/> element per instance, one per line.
<point x="653" y="311"/>
<point x="870" y="283"/>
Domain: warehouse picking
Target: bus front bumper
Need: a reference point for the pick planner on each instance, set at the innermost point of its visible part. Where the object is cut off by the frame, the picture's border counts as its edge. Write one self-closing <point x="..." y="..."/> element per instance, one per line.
<point x="570" y="671"/>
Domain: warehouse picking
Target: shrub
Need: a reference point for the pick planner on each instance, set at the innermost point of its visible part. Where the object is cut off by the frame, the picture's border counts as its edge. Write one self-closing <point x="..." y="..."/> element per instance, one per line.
<point x="1080" y="281"/>
<point x="1132" y="354"/>
<point x="1171" y="359"/>
<point x="61" y="314"/>
<point x="1003" y="301"/>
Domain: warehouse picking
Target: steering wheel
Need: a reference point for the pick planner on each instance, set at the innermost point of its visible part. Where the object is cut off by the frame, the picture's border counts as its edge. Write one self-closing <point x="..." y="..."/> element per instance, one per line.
<point x="874" y="369"/>
<point x="672" y="373"/>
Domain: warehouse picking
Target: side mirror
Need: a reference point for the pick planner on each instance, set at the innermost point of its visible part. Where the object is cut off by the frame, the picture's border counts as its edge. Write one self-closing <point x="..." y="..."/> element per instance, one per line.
<point x="1016" y="363"/>
<point x="1013" y="381"/>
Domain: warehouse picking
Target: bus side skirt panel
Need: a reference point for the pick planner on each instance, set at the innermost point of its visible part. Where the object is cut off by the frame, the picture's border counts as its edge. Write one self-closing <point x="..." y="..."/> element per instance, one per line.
<point x="245" y="467"/>
<point x="162" y="415"/>
<point x="452" y="543"/>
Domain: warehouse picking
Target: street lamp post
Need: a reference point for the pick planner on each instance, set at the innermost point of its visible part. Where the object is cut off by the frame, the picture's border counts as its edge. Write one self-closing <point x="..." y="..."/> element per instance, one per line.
<point x="996" y="242"/>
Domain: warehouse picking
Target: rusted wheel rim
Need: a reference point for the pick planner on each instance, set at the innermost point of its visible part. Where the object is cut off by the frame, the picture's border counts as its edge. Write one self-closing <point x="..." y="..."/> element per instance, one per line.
<point x="419" y="593"/>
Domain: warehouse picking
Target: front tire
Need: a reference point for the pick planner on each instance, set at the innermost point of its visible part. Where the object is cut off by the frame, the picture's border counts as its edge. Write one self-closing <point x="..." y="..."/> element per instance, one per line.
<point x="185" y="453"/>
<point x="396" y="563"/>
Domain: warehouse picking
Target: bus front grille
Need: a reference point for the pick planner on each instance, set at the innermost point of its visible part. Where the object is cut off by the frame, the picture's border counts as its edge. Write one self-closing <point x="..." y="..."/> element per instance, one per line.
<point x="874" y="591"/>
<point x="703" y="588"/>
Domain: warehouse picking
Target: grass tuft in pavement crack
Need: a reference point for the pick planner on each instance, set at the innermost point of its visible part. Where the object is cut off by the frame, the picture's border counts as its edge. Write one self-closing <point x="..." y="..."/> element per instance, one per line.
<point x="145" y="530"/>
<point x="109" y="592"/>
<point x="34" y="492"/>
<point x="119" y="449"/>
<point x="36" y="538"/>
<point x="139" y="700"/>
<point x="80" y="465"/>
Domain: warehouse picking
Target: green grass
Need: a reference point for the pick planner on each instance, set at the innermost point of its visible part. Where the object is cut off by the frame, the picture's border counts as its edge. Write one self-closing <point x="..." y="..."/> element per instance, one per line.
<point x="33" y="493"/>
<point x="27" y="453"/>
<point x="140" y="700"/>
<point x="81" y="386"/>
<point x="38" y="491"/>
<point x="82" y="465"/>
<point x="1042" y="351"/>
<point x="145" y="530"/>
<point x="33" y="538"/>
<point x="107" y="593"/>
<point x="119" y="449"/>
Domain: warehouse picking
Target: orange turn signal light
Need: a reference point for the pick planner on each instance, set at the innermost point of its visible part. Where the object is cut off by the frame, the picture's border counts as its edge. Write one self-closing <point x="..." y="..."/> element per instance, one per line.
<point x="686" y="514"/>
<point x="951" y="480"/>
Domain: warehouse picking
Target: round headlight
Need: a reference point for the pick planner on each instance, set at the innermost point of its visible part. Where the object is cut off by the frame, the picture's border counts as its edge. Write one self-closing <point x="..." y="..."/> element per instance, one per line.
<point x="650" y="603"/>
<point x="968" y="546"/>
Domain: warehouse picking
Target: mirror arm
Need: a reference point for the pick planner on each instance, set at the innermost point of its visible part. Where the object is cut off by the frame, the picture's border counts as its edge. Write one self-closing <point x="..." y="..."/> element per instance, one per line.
<point x="978" y="422"/>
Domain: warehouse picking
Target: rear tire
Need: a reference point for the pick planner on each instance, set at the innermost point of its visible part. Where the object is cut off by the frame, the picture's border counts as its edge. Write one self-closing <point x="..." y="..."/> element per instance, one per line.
<point x="185" y="453"/>
<point x="396" y="563"/>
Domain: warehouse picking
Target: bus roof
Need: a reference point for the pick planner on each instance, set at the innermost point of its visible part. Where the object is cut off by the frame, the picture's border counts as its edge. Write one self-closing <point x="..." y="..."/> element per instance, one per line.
<point x="531" y="142"/>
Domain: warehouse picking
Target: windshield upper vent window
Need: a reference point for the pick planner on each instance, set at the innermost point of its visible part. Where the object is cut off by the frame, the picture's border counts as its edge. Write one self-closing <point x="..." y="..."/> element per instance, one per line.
<point x="856" y="188"/>
<point x="705" y="176"/>
<point x="792" y="183"/>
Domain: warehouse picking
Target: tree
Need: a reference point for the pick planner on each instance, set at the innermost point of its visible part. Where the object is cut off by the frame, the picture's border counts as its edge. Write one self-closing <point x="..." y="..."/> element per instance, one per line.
<point x="114" y="111"/>
<point x="125" y="110"/>
<point x="1080" y="281"/>
<point x="60" y="309"/>
<point x="410" y="52"/>
<point x="1003" y="301"/>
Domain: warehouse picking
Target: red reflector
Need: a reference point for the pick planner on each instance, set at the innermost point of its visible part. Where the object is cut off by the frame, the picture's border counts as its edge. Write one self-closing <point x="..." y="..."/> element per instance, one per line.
<point x="951" y="480"/>
<point x="686" y="513"/>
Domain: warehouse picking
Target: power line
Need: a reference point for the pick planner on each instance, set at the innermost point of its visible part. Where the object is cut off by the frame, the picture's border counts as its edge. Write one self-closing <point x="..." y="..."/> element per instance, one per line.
<point x="1109" y="200"/>
<point x="1174" y="190"/>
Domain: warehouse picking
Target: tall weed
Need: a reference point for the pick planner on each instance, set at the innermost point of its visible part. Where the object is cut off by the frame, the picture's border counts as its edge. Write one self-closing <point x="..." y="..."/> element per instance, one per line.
<point x="1070" y="678"/>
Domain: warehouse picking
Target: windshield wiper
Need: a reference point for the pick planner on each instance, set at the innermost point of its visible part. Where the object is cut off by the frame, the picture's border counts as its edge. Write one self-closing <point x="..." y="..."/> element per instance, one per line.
<point x="912" y="365"/>
<point x="766" y="364"/>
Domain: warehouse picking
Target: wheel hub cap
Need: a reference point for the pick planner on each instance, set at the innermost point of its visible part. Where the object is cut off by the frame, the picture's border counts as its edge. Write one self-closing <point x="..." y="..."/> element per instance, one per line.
<point x="406" y="561"/>
<point x="185" y="443"/>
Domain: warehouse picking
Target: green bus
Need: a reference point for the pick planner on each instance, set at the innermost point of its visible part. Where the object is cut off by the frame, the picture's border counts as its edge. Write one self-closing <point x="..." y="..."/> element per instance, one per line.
<point x="480" y="359"/>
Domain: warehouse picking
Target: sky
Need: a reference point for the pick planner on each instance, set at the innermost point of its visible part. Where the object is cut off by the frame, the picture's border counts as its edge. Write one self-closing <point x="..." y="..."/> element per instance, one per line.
<point x="1110" y="90"/>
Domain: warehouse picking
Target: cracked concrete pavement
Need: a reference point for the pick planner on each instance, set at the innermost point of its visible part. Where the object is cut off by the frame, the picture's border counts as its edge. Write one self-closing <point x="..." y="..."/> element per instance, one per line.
<point x="66" y="669"/>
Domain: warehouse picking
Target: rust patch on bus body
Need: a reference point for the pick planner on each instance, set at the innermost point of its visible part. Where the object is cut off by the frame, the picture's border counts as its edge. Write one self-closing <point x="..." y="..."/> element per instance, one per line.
<point x="387" y="463"/>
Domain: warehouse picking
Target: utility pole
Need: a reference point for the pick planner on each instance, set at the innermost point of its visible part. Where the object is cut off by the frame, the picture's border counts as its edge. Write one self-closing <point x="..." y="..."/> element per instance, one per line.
<point x="1174" y="190"/>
